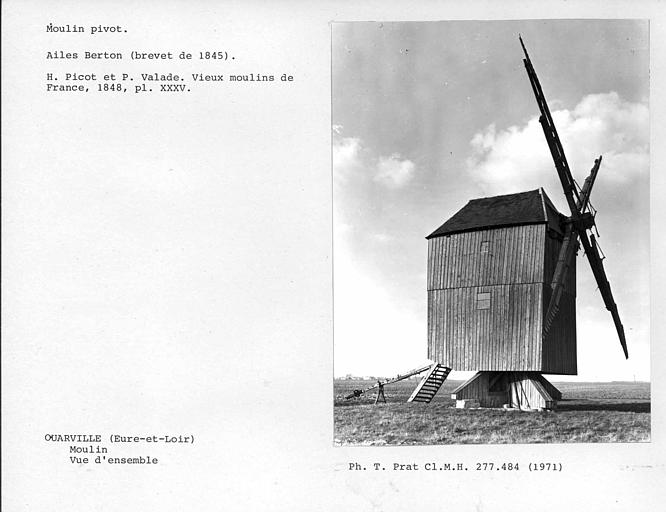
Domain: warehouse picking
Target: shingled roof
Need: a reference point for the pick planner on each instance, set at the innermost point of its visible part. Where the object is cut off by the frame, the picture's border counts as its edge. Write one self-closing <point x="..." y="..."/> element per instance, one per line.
<point x="533" y="207"/>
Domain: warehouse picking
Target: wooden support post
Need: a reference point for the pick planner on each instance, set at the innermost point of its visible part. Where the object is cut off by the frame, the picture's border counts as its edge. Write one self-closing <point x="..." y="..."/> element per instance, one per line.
<point x="380" y="392"/>
<point x="521" y="390"/>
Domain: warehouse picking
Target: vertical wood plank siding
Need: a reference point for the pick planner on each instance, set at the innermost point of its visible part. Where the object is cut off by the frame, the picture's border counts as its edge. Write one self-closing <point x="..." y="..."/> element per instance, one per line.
<point x="527" y="392"/>
<point x="515" y="255"/>
<point x="559" y="344"/>
<point x="517" y="271"/>
<point x="505" y="337"/>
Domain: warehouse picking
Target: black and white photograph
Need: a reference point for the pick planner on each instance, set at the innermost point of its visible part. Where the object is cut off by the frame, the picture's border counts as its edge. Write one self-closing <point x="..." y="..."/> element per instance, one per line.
<point x="336" y="256"/>
<point x="491" y="232"/>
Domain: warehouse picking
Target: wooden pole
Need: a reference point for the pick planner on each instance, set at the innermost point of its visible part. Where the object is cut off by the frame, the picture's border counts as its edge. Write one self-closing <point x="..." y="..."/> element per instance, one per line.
<point x="380" y="392"/>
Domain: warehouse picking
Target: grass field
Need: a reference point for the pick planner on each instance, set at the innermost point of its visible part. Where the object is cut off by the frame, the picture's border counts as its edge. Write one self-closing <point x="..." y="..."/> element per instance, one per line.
<point x="587" y="413"/>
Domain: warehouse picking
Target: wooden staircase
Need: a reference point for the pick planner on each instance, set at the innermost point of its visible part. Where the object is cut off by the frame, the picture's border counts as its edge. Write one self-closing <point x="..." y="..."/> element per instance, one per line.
<point x="430" y="384"/>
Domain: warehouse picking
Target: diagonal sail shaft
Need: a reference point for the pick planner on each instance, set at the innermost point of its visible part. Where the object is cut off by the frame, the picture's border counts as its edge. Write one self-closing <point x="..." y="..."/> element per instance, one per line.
<point x="553" y="140"/>
<point x="584" y="198"/>
<point x="564" y="259"/>
<point x="592" y="253"/>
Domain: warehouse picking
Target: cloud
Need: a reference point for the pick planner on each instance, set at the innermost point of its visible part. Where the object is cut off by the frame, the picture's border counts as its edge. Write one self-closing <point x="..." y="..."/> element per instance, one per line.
<point x="517" y="158"/>
<point x="347" y="158"/>
<point x="394" y="172"/>
<point x="353" y="161"/>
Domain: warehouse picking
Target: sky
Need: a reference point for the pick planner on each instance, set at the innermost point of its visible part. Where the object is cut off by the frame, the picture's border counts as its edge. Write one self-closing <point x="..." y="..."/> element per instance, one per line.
<point x="428" y="115"/>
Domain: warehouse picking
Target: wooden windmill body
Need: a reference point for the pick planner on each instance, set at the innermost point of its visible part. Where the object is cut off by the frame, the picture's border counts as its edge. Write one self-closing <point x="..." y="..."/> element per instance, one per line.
<point x="490" y="267"/>
<point x="502" y="286"/>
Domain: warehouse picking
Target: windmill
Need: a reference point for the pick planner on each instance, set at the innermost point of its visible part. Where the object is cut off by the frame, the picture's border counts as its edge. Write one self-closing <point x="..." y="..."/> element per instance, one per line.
<point x="502" y="285"/>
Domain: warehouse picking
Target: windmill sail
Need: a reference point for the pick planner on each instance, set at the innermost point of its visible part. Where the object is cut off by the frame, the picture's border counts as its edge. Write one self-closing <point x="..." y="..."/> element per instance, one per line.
<point x="554" y="144"/>
<point x="593" y="257"/>
<point x="580" y="220"/>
